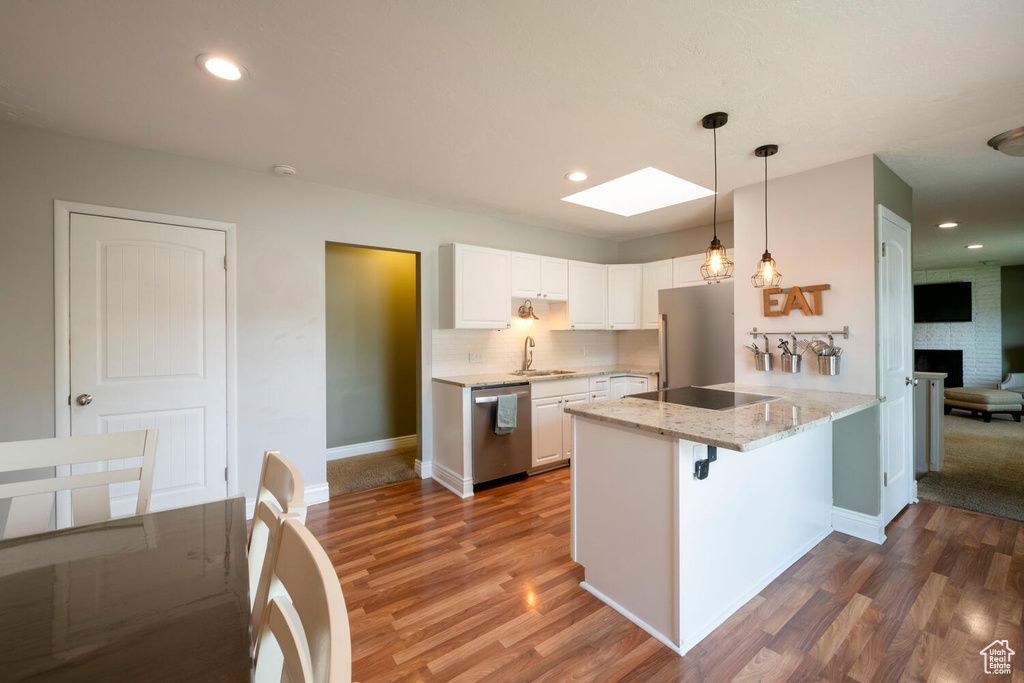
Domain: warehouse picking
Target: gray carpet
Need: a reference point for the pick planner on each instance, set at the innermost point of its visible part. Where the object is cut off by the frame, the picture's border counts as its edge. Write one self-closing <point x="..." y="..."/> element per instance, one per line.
<point x="983" y="468"/>
<point x="362" y="472"/>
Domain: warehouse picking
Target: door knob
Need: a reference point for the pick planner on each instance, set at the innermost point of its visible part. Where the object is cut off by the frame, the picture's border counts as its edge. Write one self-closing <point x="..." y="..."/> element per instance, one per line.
<point x="83" y="399"/>
<point x="911" y="381"/>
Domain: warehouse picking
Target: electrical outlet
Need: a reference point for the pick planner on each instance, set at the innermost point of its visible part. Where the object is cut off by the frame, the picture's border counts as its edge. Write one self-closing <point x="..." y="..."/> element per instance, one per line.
<point x="476" y="357"/>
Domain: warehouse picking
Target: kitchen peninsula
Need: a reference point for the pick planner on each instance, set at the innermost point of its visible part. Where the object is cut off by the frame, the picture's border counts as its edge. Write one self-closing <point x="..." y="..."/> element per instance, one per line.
<point x="681" y="514"/>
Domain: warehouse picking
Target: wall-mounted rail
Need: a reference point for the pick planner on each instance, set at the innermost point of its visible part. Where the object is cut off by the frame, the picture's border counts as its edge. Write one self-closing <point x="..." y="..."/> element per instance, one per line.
<point x="791" y="333"/>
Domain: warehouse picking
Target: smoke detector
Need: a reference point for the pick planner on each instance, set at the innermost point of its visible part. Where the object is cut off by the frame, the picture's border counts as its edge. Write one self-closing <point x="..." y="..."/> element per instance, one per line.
<point x="285" y="170"/>
<point x="1011" y="142"/>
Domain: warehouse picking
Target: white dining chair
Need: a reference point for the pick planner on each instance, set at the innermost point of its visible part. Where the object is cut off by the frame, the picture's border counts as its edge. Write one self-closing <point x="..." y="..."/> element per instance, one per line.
<point x="306" y="615"/>
<point x="266" y="522"/>
<point x="32" y="501"/>
<point x="281" y="485"/>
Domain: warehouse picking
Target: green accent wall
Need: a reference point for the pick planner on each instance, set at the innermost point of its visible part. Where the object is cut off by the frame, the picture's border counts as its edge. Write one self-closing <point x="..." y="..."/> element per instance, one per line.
<point x="856" y="477"/>
<point x="371" y="344"/>
<point x="856" y="450"/>
<point x="1012" y="288"/>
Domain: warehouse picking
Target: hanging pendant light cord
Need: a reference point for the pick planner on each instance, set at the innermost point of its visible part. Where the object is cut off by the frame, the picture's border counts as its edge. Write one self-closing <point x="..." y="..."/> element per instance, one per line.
<point x="766" y="203"/>
<point x="714" y="219"/>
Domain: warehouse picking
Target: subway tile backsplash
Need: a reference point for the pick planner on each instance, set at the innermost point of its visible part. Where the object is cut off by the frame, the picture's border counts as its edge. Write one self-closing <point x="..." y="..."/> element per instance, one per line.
<point x="502" y="350"/>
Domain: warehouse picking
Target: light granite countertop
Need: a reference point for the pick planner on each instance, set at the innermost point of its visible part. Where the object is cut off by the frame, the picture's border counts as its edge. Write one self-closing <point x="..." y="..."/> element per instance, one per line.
<point x="738" y="429"/>
<point x="497" y="378"/>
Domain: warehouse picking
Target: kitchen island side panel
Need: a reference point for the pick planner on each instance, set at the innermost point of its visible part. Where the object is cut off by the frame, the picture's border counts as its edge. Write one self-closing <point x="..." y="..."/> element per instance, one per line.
<point x="626" y="528"/>
<point x="755" y="515"/>
<point x="678" y="555"/>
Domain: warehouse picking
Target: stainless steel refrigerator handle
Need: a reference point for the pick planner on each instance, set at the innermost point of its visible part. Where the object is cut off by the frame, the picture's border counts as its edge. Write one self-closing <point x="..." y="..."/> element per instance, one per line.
<point x="663" y="351"/>
<point x="494" y="399"/>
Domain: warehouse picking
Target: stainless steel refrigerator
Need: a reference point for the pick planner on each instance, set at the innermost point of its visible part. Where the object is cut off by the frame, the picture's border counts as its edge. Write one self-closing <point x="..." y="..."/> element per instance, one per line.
<point x="696" y="335"/>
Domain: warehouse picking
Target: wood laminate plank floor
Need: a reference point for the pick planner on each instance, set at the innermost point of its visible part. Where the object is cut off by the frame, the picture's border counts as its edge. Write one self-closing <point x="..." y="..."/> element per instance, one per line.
<point x="440" y="589"/>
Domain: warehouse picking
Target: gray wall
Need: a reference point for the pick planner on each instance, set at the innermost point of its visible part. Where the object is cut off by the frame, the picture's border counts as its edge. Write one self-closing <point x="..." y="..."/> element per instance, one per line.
<point x="371" y="344"/>
<point x="671" y="244"/>
<point x="1012" y="278"/>
<point x="892" y="193"/>
<point x="283" y="225"/>
<point x="856" y="478"/>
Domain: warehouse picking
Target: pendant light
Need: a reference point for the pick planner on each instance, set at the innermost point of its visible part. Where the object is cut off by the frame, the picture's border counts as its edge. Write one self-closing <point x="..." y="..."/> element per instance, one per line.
<point x="767" y="274"/>
<point x="717" y="266"/>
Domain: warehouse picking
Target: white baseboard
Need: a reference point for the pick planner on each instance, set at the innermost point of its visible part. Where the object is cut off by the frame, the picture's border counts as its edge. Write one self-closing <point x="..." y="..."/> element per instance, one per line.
<point x="313" y="495"/>
<point x="460" y="486"/>
<point x="371" y="447"/>
<point x="425" y="470"/>
<point x="858" y="525"/>
<point x="632" y="617"/>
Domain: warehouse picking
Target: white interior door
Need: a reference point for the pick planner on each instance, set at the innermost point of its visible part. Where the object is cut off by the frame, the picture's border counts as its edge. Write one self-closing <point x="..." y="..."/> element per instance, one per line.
<point x="148" y="345"/>
<point x="895" y="362"/>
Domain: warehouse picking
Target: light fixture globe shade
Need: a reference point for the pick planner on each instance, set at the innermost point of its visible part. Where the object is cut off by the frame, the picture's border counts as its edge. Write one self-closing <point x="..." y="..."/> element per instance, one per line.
<point x="767" y="274"/>
<point x="717" y="266"/>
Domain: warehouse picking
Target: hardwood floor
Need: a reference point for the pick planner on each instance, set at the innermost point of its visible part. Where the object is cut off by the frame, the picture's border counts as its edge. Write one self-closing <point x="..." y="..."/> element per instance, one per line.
<point x="440" y="589"/>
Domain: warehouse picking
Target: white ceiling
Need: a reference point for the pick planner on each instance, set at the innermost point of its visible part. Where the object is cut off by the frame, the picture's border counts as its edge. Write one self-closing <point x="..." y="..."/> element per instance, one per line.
<point x="486" y="104"/>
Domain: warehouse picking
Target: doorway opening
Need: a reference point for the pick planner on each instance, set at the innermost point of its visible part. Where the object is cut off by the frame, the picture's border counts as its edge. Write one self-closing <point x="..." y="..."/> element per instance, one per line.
<point x="373" y="366"/>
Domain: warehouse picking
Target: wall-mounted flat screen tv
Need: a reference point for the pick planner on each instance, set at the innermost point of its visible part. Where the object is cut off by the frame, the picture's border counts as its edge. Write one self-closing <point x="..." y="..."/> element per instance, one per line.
<point x="948" y="302"/>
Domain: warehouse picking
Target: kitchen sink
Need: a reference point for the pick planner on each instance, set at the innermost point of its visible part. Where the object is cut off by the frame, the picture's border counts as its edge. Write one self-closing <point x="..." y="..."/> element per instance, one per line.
<point x="542" y="373"/>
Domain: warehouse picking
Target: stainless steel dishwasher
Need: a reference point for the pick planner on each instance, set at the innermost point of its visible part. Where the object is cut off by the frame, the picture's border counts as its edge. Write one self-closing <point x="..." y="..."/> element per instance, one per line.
<point x="501" y="455"/>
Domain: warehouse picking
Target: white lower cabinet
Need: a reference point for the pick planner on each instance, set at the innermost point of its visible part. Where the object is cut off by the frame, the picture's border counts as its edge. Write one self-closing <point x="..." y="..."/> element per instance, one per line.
<point x="571" y="400"/>
<point x="547" y="419"/>
<point x="628" y="385"/>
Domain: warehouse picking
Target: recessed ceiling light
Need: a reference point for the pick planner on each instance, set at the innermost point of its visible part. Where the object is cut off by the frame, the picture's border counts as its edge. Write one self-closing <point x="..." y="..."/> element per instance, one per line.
<point x="639" y="192"/>
<point x="948" y="224"/>
<point x="221" y="67"/>
<point x="576" y="176"/>
<point x="975" y="246"/>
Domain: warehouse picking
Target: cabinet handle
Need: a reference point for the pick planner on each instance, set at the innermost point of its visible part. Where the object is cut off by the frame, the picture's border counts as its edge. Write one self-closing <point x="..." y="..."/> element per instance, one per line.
<point x="611" y="327"/>
<point x="538" y="294"/>
<point x="572" y="326"/>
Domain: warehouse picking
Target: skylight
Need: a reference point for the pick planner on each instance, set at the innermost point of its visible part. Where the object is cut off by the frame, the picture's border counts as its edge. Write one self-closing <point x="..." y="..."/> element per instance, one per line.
<point x="639" y="192"/>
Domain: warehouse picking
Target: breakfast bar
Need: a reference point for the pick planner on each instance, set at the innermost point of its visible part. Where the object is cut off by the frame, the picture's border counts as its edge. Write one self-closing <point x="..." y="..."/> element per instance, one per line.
<point x="686" y="503"/>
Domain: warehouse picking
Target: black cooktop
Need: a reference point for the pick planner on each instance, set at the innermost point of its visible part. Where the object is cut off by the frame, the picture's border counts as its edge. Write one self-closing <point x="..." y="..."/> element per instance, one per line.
<point x="698" y="397"/>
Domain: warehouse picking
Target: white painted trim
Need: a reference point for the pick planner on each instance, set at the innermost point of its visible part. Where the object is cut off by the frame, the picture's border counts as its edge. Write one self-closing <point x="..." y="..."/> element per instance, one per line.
<point x="371" y="447"/>
<point x="679" y="650"/>
<point x="425" y="470"/>
<point x="461" y="487"/>
<point x="62" y="211"/>
<point x="313" y="495"/>
<point x="857" y="524"/>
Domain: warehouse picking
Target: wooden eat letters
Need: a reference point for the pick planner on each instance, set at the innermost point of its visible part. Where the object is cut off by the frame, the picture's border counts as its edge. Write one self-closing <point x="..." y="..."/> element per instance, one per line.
<point x="794" y="298"/>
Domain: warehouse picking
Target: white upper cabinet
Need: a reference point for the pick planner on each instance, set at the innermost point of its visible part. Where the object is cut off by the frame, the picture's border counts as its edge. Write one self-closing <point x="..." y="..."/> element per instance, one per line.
<point x="554" y="278"/>
<point x="475" y="287"/>
<point x="539" y="277"/>
<point x="657" y="276"/>
<point x="588" y="296"/>
<point x="525" y="276"/>
<point x="686" y="270"/>
<point x="625" y="296"/>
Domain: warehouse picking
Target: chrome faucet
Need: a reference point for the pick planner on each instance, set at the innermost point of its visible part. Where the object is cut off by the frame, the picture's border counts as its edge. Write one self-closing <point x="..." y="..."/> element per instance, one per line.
<point x="527" y="359"/>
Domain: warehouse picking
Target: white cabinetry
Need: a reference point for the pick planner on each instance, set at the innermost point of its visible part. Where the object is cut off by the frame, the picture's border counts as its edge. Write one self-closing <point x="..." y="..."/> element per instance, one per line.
<point x="570" y="400"/>
<point x="554" y="278"/>
<point x="539" y="277"/>
<point x="657" y="276"/>
<point x="625" y="296"/>
<point x="547" y="422"/>
<point x="628" y="385"/>
<point x="588" y="296"/>
<point x="686" y="270"/>
<point x="474" y="287"/>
